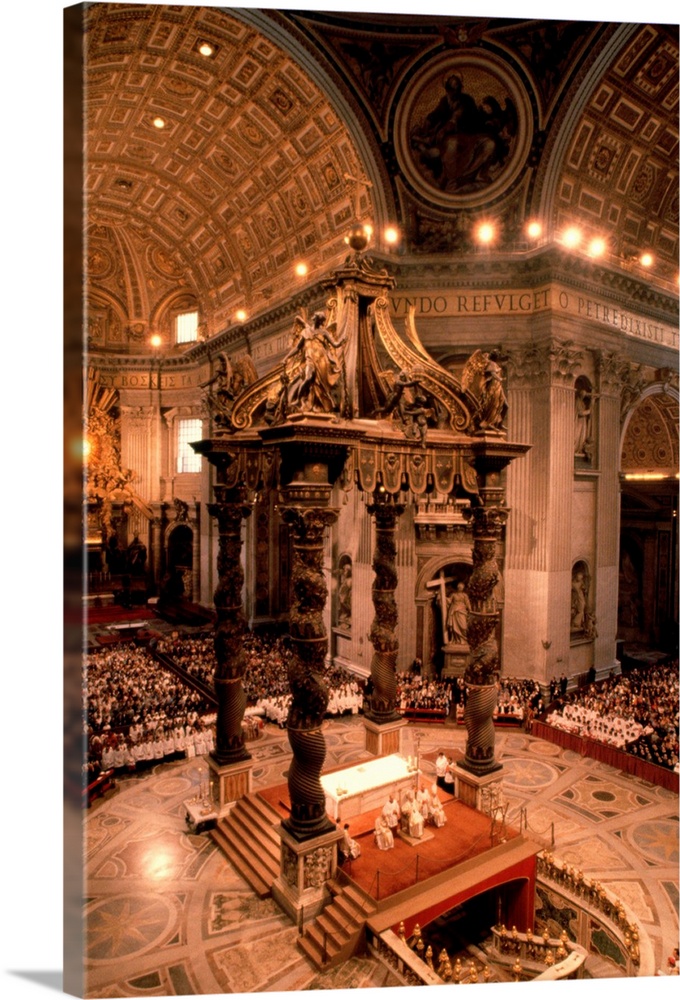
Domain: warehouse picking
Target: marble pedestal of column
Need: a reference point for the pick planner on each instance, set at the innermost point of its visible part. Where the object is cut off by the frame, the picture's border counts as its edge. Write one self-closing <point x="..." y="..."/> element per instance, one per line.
<point x="306" y="867"/>
<point x="473" y="789"/>
<point x="384" y="739"/>
<point x="228" y="783"/>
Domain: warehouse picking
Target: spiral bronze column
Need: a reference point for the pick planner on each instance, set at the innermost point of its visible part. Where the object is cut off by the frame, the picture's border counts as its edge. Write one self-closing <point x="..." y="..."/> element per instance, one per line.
<point x="229" y="508"/>
<point x="382" y="702"/>
<point x="306" y="672"/>
<point x="483" y="666"/>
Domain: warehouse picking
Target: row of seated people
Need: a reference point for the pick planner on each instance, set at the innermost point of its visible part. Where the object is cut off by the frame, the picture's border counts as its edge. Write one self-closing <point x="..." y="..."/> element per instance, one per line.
<point x="519" y="699"/>
<point x="419" y="696"/>
<point x="636" y="712"/>
<point x="410" y="814"/>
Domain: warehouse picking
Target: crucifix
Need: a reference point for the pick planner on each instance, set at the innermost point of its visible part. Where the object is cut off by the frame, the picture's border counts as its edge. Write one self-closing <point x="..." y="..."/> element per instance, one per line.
<point x="441" y="581"/>
<point x="358" y="185"/>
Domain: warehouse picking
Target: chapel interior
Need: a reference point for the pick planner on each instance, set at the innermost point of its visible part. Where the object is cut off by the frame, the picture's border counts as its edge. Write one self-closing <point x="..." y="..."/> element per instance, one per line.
<point x="379" y="335"/>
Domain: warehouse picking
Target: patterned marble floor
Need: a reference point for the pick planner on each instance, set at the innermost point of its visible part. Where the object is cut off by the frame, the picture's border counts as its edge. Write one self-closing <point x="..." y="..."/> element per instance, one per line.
<point x="167" y="915"/>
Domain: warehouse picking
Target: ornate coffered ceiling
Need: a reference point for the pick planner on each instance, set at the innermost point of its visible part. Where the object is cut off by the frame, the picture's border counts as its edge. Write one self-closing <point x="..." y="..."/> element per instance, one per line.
<point x="295" y="123"/>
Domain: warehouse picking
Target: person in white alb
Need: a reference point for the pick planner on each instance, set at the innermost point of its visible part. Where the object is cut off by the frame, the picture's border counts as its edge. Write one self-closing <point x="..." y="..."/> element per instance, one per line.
<point x="391" y="812"/>
<point x="440" y="766"/>
<point x="384" y="838"/>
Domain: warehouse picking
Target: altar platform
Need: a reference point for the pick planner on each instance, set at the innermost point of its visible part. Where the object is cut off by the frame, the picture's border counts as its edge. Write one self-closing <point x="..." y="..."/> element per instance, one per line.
<point x="366" y="786"/>
<point x="467" y="835"/>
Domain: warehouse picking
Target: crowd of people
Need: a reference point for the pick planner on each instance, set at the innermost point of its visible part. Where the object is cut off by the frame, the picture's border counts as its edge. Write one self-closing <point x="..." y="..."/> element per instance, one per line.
<point x="137" y="712"/>
<point x="415" y="693"/>
<point x="636" y="712"/>
<point x="265" y="676"/>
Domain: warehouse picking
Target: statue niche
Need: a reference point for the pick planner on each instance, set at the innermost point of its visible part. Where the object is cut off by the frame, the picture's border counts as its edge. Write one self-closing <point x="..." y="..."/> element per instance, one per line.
<point x="344" y="613"/>
<point x="582" y="619"/>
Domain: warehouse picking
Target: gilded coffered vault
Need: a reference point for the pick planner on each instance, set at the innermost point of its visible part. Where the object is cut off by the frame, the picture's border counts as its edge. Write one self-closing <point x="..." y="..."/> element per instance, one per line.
<point x="297" y="124"/>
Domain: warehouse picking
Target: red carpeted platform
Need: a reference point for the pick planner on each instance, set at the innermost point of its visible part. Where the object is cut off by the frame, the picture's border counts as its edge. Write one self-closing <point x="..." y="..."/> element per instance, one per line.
<point x="113" y="614"/>
<point x="384" y="873"/>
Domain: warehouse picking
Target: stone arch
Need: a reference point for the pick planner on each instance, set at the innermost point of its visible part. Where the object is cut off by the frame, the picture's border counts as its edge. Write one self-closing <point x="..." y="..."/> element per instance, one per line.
<point x="428" y="629"/>
<point x="649" y="435"/>
<point x="179" y="558"/>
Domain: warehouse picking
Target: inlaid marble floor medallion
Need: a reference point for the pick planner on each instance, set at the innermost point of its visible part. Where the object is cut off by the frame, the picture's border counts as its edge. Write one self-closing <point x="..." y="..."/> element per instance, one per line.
<point x="167" y="914"/>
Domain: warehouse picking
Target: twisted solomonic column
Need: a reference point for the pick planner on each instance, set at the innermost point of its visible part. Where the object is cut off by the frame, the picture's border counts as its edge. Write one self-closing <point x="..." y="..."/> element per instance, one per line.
<point x="306" y="672"/>
<point x="382" y="702"/>
<point x="483" y="666"/>
<point x="230" y="508"/>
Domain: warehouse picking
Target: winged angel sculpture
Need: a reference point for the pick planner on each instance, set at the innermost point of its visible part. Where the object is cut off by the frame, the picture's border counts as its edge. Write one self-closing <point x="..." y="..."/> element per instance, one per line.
<point x="483" y="380"/>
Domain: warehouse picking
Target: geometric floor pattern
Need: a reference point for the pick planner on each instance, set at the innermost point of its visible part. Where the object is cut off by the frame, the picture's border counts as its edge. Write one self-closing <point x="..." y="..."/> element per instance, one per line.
<point x="167" y="915"/>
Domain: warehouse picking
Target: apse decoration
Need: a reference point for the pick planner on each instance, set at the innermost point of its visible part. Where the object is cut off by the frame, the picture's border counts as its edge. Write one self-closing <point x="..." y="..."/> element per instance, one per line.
<point x="463" y="130"/>
<point x="355" y="403"/>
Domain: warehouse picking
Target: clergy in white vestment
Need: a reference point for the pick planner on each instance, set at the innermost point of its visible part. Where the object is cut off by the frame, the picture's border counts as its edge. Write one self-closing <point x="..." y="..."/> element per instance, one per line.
<point x="437" y="813"/>
<point x="406" y="807"/>
<point x="423" y="800"/>
<point x="415" y="822"/>
<point x="384" y="837"/>
<point x="391" y="812"/>
<point x="349" y="846"/>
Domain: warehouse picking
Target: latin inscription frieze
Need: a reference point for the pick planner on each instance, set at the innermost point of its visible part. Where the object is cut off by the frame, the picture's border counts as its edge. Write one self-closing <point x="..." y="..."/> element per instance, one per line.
<point x="529" y="301"/>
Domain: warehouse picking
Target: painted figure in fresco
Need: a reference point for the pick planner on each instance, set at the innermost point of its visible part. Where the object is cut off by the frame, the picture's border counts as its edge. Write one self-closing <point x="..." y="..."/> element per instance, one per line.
<point x="460" y="142"/>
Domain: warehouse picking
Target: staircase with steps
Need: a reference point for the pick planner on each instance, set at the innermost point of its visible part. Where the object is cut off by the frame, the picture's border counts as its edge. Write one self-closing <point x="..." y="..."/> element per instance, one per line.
<point x="248" y="838"/>
<point x="337" y="933"/>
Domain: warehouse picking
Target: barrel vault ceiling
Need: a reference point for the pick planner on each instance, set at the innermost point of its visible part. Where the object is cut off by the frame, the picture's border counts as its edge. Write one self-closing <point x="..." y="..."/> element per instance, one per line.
<point x="297" y="123"/>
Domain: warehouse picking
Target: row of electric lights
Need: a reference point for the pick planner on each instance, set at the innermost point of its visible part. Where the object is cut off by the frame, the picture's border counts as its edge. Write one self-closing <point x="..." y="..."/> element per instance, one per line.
<point x="205" y="49"/>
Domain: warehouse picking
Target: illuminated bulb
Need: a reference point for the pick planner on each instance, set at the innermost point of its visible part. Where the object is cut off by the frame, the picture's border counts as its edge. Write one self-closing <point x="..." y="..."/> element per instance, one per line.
<point x="534" y="230"/>
<point x="368" y="229"/>
<point x="485" y="233"/>
<point x="159" y="122"/>
<point x="571" y="237"/>
<point x="391" y="234"/>
<point x="205" y="49"/>
<point x="301" y="269"/>
<point x="646" y="259"/>
<point x="155" y="340"/>
<point x="241" y="315"/>
<point x="87" y="448"/>
<point x="597" y="247"/>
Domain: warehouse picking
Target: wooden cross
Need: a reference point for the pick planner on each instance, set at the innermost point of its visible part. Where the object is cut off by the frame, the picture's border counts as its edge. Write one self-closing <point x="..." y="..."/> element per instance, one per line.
<point x="441" y="581"/>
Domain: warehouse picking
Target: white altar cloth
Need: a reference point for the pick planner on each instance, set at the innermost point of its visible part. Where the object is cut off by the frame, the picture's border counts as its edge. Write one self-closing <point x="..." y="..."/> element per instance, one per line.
<point x="366" y="786"/>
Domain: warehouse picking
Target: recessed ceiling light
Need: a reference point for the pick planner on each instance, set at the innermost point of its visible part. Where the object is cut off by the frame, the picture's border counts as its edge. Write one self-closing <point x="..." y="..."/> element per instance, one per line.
<point x="241" y="315"/>
<point x="391" y="234"/>
<point x="159" y="122"/>
<point x="597" y="247"/>
<point x="155" y="340"/>
<point x="571" y="237"/>
<point x="646" y="259"/>
<point x="486" y="233"/>
<point x="301" y="269"/>
<point x="534" y="229"/>
<point x="206" y="49"/>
